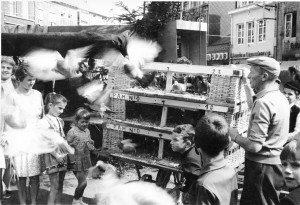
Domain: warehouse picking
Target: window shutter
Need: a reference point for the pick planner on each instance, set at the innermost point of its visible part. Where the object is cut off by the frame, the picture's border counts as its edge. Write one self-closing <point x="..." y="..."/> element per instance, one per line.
<point x="294" y="22"/>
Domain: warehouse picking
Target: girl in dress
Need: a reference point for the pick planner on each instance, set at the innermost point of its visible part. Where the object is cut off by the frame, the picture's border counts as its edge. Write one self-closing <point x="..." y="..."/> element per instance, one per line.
<point x="56" y="161"/>
<point x="30" y="103"/>
<point x="79" y="137"/>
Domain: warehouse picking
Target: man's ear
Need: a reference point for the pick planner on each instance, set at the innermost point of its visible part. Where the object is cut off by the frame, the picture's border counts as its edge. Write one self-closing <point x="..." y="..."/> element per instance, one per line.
<point x="265" y="76"/>
<point x="189" y="143"/>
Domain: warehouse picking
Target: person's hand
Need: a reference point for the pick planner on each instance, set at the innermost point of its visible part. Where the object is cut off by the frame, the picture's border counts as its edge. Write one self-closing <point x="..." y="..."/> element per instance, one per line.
<point x="246" y="72"/>
<point x="233" y="133"/>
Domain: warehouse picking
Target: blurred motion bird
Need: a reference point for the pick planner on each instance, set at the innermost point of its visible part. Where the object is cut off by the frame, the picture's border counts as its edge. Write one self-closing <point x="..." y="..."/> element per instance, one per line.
<point x="48" y="65"/>
<point x="97" y="93"/>
<point x="127" y="146"/>
<point x="115" y="191"/>
<point x="139" y="52"/>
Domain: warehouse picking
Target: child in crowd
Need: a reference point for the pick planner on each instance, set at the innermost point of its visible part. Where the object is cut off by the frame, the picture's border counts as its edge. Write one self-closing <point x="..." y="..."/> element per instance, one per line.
<point x="183" y="142"/>
<point x="291" y="92"/>
<point x="217" y="183"/>
<point x="79" y="137"/>
<point x="290" y="160"/>
<point x="56" y="161"/>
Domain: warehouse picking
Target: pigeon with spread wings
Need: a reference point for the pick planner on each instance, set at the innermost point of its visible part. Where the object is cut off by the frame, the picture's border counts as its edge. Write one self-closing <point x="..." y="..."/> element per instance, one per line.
<point x="48" y="65"/>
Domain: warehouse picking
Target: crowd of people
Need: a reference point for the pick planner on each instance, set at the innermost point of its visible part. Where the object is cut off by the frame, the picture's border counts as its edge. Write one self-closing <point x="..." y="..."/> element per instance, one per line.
<point x="272" y="145"/>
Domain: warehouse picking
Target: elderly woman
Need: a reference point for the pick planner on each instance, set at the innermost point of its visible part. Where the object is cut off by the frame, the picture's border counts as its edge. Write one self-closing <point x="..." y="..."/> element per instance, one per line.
<point x="30" y="103"/>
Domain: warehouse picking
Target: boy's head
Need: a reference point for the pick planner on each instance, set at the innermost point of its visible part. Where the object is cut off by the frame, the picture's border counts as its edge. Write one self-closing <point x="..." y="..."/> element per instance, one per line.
<point x="212" y="134"/>
<point x="183" y="138"/>
<point x="290" y="160"/>
<point x="291" y="91"/>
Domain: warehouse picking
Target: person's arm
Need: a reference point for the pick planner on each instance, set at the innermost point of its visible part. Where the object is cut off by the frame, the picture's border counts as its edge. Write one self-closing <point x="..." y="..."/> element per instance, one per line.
<point x="244" y="142"/>
<point x="248" y="90"/>
<point x="71" y="139"/>
<point x="258" y="128"/>
<point x="296" y="134"/>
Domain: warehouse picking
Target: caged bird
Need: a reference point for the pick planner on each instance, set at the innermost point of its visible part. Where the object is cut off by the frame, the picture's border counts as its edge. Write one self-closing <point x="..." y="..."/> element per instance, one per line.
<point x="48" y="65"/>
<point x="127" y="146"/>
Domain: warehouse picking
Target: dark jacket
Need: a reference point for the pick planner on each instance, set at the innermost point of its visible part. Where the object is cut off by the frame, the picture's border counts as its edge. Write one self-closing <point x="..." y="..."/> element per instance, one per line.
<point x="292" y="199"/>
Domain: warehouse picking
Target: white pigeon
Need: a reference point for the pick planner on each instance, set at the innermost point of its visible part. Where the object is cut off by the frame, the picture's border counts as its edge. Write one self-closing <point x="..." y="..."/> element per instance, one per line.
<point x="115" y="191"/>
<point x="97" y="94"/>
<point x="48" y="65"/>
<point x="139" y="53"/>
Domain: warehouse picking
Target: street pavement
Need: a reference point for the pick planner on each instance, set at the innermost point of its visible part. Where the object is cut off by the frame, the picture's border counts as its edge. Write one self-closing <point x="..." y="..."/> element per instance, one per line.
<point x="70" y="184"/>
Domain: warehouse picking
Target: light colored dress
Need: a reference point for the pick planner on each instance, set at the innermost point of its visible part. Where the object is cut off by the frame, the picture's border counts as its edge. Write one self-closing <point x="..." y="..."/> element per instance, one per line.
<point x="31" y="106"/>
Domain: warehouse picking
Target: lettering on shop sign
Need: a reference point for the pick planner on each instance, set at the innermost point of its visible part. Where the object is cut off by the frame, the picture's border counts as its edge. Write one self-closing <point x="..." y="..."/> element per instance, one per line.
<point x="124" y="128"/>
<point x="126" y="97"/>
<point x="243" y="55"/>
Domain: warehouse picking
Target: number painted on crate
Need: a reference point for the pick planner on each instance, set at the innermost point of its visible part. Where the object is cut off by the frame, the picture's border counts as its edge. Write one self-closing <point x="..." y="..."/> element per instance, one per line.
<point x="134" y="130"/>
<point x="209" y="107"/>
<point x="133" y="98"/>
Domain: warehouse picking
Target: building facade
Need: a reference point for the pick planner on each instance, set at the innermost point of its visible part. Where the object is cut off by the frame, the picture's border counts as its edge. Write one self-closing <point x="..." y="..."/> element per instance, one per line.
<point x="215" y="14"/>
<point x="49" y="13"/>
<point x="288" y="38"/>
<point x="253" y="30"/>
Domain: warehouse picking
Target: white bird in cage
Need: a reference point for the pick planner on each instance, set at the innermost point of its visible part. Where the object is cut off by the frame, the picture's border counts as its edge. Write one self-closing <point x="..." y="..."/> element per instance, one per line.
<point x="48" y="65"/>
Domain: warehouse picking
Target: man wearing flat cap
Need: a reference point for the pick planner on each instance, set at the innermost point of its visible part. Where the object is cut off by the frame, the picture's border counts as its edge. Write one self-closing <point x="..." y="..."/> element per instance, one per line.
<point x="267" y="133"/>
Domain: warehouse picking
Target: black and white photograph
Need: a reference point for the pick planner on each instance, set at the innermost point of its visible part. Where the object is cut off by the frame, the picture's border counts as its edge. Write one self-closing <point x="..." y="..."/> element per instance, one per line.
<point x="132" y="102"/>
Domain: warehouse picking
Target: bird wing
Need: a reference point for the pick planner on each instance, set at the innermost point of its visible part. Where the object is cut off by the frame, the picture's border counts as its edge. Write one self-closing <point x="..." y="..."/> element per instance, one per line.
<point x="72" y="59"/>
<point x="42" y="64"/>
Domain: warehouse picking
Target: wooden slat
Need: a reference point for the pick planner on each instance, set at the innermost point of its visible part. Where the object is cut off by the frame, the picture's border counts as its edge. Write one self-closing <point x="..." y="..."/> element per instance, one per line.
<point x="192" y="69"/>
<point x="139" y="130"/>
<point x="172" y="103"/>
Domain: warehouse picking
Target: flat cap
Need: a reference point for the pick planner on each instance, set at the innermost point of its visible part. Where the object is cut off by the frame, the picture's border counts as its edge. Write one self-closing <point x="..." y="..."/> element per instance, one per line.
<point x="269" y="64"/>
<point x="293" y="85"/>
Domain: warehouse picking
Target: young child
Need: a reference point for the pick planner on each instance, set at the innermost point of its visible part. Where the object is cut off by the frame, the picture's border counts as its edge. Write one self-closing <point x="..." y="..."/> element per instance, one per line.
<point x="217" y="183"/>
<point x="290" y="160"/>
<point x="56" y="161"/>
<point x="79" y="138"/>
<point x="183" y="142"/>
<point x="291" y="92"/>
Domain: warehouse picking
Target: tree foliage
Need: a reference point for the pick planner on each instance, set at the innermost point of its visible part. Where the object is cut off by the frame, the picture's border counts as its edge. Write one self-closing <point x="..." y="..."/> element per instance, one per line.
<point x="157" y="14"/>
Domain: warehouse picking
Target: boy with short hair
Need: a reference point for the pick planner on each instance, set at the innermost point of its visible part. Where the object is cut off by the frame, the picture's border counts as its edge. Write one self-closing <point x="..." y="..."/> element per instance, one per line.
<point x="291" y="91"/>
<point x="217" y="183"/>
<point x="290" y="159"/>
<point x="190" y="158"/>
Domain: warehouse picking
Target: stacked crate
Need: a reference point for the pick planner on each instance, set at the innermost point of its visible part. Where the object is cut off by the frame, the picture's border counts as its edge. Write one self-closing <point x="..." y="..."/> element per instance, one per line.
<point x="226" y="89"/>
<point x="117" y="80"/>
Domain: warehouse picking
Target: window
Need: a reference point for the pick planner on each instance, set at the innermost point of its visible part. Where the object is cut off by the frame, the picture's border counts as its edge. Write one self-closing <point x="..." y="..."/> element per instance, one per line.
<point x="262" y="30"/>
<point x="250" y="32"/>
<point x="240" y="34"/>
<point x="290" y="25"/>
<point x="31" y="8"/>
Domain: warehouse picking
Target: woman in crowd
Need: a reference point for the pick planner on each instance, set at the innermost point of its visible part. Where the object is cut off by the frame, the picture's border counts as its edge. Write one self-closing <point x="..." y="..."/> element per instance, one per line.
<point x="30" y="103"/>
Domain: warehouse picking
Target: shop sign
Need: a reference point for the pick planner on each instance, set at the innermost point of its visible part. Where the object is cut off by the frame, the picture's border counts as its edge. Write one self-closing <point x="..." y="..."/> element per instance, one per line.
<point x="246" y="55"/>
<point x="217" y="56"/>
